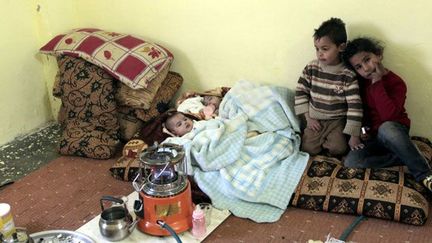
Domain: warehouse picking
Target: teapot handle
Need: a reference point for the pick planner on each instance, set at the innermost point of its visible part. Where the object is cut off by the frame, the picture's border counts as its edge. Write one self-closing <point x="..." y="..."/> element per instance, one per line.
<point x="111" y="199"/>
<point x="133" y="225"/>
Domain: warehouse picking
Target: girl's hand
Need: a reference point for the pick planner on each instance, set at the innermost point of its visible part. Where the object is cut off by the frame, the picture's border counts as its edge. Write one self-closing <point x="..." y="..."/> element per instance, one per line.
<point x="355" y="143"/>
<point x="379" y="72"/>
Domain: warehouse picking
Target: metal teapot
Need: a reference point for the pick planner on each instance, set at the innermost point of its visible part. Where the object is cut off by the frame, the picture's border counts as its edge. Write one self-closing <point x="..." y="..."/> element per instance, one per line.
<point x="115" y="222"/>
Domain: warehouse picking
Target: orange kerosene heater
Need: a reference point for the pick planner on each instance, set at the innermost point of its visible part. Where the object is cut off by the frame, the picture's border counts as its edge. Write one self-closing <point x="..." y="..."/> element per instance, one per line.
<point x="165" y="199"/>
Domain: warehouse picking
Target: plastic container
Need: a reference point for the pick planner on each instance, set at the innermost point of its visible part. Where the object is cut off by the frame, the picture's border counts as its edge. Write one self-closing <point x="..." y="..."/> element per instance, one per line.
<point x="7" y="226"/>
<point x="207" y="208"/>
<point x="198" y="223"/>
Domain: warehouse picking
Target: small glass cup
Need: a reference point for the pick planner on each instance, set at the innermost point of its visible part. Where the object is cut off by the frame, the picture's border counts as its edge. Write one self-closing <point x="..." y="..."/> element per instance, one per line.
<point x="207" y="208"/>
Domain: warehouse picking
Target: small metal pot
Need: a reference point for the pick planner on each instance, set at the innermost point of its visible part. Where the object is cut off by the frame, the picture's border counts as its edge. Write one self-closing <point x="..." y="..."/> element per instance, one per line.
<point x="115" y="222"/>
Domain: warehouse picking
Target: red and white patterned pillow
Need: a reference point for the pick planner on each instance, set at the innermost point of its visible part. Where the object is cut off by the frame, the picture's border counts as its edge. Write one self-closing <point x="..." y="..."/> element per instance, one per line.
<point x="130" y="59"/>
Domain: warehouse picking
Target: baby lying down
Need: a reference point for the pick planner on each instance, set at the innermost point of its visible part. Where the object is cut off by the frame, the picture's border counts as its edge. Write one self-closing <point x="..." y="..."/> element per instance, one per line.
<point x="203" y="105"/>
<point x="178" y="124"/>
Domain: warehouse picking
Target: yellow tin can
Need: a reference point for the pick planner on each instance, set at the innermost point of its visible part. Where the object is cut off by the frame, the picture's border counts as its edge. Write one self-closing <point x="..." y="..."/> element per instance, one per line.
<point x="7" y="226"/>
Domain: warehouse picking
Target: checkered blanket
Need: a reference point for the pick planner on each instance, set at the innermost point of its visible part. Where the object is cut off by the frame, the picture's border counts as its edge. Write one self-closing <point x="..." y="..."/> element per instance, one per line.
<point x="252" y="176"/>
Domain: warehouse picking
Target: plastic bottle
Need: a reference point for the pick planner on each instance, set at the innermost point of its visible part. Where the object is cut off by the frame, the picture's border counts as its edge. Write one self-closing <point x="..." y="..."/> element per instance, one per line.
<point x="7" y="226"/>
<point x="198" y="223"/>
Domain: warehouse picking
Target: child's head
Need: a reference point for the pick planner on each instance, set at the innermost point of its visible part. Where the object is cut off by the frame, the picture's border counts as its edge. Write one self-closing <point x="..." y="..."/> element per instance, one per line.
<point x="212" y="100"/>
<point x="178" y="124"/>
<point x="363" y="55"/>
<point x="329" y="40"/>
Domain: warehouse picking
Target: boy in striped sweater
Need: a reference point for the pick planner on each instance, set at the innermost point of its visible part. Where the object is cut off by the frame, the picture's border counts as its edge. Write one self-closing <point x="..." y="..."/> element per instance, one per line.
<point x="328" y="96"/>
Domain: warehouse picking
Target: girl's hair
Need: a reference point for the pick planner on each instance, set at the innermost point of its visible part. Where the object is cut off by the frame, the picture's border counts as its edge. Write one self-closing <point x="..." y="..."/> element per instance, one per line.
<point x="361" y="44"/>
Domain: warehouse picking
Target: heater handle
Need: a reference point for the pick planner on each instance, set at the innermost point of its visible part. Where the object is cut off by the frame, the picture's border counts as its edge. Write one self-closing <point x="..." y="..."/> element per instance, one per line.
<point x="111" y="199"/>
<point x="179" y="152"/>
<point x="139" y="208"/>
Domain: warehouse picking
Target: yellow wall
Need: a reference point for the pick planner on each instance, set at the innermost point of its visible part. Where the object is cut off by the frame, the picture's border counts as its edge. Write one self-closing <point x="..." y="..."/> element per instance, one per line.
<point x="24" y="100"/>
<point x="219" y="42"/>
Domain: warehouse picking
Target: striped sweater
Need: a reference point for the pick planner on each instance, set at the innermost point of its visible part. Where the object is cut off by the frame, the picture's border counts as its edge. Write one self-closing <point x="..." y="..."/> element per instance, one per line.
<point x="330" y="92"/>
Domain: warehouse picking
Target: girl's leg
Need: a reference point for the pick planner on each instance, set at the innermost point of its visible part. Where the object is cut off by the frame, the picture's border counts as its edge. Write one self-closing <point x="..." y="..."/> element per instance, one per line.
<point x="395" y="137"/>
<point x="373" y="155"/>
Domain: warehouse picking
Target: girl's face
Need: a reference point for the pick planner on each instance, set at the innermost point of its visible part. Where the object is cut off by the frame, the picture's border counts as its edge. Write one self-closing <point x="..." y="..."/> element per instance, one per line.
<point x="367" y="64"/>
<point x="327" y="52"/>
<point x="179" y="124"/>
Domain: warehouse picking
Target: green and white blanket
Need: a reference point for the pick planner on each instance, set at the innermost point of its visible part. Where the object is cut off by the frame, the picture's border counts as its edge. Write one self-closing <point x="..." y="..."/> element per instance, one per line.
<point x="252" y="176"/>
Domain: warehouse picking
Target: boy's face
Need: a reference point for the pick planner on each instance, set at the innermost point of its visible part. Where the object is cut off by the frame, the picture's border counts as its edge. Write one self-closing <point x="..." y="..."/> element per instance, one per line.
<point x="179" y="124"/>
<point x="327" y="52"/>
<point x="366" y="64"/>
<point x="212" y="100"/>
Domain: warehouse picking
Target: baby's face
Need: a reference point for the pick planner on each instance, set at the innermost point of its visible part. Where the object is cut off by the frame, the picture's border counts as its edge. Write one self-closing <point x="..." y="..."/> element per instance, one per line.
<point x="179" y="124"/>
<point x="212" y="100"/>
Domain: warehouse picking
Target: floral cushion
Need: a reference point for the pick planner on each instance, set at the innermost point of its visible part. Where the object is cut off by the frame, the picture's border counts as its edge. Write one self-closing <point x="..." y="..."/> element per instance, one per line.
<point x="93" y="138"/>
<point x="128" y="165"/>
<point x="88" y="112"/>
<point x="388" y="193"/>
<point x="130" y="59"/>
<point x="130" y="125"/>
<point x="161" y="102"/>
<point x="85" y="90"/>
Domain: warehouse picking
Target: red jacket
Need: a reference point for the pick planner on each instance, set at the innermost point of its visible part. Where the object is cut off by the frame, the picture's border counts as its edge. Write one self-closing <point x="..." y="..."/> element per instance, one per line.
<point x="384" y="101"/>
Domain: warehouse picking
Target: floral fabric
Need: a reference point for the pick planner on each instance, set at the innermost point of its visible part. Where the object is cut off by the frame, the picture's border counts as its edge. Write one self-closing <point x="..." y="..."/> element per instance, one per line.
<point x="388" y="193"/>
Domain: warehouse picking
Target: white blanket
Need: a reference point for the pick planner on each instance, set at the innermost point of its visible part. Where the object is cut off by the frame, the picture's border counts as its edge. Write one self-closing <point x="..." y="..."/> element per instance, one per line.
<point x="253" y="177"/>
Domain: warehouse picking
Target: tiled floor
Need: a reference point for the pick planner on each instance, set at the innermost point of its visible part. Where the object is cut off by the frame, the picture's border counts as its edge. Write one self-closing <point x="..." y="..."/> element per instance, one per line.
<point x="28" y="153"/>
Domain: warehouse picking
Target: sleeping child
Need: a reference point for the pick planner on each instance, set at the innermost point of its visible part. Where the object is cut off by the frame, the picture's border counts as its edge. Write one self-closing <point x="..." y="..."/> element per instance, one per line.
<point x="203" y="105"/>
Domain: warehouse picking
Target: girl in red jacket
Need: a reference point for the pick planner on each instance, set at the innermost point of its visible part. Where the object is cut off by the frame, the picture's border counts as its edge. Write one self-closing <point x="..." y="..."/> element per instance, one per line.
<point x="383" y="94"/>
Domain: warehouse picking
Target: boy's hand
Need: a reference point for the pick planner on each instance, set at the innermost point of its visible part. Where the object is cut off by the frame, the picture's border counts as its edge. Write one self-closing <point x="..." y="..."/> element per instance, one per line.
<point x="313" y="124"/>
<point x="355" y="143"/>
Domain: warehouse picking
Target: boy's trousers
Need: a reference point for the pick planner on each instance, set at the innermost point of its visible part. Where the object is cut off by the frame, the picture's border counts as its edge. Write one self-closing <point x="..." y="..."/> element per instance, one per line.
<point x="330" y="138"/>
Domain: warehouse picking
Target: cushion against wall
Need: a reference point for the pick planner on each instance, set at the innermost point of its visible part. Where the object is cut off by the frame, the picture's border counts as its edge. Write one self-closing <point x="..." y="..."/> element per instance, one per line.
<point x="128" y="58"/>
<point x="88" y="112"/>
<point x="92" y="138"/>
<point x="160" y="103"/>
<point x="132" y="120"/>
<point x="380" y="193"/>
<point x="86" y="90"/>
<point x="130" y="125"/>
<point x="140" y="98"/>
